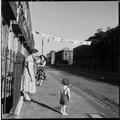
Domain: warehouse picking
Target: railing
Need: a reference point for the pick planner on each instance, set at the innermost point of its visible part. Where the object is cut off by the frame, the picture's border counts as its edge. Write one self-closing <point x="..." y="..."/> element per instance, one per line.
<point x="7" y="93"/>
<point x="7" y="79"/>
<point x="11" y="79"/>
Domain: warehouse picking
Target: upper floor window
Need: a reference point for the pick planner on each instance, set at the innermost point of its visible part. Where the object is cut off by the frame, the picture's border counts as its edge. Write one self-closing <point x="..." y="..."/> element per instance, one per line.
<point x="65" y="54"/>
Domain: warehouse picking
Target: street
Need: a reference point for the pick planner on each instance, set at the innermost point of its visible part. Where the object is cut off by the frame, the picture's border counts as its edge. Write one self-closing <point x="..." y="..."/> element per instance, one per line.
<point x="104" y="94"/>
<point x="86" y="98"/>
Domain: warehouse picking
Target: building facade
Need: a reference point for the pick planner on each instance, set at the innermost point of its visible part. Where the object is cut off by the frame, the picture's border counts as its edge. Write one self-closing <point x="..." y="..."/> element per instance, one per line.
<point x="51" y="58"/>
<point x="102" y="54"/>
<point x="64" y="57"/>
<point x="16" y="43"/>
<point x="80" y="56"/>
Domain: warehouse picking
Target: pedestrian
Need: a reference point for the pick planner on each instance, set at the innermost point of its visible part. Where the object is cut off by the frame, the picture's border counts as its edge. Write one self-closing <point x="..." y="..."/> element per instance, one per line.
<point x="28" y="84"/>
<point x="40" y="70"/>
<point x="65" y="96"/>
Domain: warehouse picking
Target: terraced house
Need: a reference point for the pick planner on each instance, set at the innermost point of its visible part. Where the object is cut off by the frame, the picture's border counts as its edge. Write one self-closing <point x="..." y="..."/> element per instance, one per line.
<point x="102" y="54"/>
<point x="64" y="57"/>
<point x="16" y="43"/>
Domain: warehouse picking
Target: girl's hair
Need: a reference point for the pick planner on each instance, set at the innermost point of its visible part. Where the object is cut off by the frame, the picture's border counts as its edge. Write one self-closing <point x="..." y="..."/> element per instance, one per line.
<point x="42" y="56"/>
<point x="65" y="82"/>
<point x="33" y="51"/>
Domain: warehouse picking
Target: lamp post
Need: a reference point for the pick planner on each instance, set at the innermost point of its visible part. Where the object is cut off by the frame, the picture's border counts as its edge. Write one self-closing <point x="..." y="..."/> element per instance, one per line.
<point x="42" y="41"/>
<point x="42" y="46"/>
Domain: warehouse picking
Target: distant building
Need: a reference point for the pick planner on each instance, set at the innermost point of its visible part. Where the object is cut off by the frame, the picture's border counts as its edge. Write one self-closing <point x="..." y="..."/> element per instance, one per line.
<point x="52" y="54"/>
<point x="51" y="58"/>
<point x="48" y="58"/>
<point x="81" y="55"/>
<point x="64" y="57"/>
<point x="101" y="54"/>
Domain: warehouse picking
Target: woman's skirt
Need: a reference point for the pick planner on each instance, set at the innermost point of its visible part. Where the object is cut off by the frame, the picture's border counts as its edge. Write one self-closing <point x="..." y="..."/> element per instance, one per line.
<point x="28" y="85"/>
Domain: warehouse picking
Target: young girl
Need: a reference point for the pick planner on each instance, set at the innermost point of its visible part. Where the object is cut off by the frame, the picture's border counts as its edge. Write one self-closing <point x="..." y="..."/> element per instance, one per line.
<point x="40" y="75"/>
<point x="64" y="96"/>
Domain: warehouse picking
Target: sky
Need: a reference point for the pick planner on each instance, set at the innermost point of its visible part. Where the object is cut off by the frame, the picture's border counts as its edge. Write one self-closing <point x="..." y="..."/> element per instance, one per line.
<point x="70" y="20"/>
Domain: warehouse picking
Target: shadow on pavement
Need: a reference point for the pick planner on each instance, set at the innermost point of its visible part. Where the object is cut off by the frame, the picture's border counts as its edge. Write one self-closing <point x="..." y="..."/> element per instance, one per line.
<point x="44" y="105"/>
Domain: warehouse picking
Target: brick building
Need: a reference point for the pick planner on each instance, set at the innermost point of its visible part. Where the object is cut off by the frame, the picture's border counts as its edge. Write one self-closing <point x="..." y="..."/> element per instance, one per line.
<point x="64" y="57"/>
<point x="102" y="54"/>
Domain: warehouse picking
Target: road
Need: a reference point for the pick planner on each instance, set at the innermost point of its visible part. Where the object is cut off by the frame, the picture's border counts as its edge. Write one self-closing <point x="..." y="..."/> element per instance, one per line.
<point x="103" y="96"/>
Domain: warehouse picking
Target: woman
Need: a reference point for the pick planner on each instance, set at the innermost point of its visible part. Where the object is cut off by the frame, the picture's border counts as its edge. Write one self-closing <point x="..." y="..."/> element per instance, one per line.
<point x="28" y="86"/>
<point x="40" y="70"/>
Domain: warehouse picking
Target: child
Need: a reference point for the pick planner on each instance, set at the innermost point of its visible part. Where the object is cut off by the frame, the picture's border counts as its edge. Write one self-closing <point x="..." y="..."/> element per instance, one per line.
<point x="40" y="75"/>
<point x="64" y="96"/>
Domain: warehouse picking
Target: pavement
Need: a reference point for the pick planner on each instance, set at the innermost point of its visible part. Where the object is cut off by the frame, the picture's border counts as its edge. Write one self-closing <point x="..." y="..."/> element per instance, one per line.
<point x="45" y="103"/>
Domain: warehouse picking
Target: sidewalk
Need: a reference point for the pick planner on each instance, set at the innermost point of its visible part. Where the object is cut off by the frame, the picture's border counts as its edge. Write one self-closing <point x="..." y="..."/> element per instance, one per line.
<point x="45" y="103"/>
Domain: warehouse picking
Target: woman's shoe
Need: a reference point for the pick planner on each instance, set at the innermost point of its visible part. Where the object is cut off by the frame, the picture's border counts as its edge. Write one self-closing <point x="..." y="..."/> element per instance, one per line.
<point x="27" y="97"/>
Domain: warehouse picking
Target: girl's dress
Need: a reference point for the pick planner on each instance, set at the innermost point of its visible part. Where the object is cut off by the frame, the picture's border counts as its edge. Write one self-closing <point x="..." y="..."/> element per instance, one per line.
<point x="40" y="75"/>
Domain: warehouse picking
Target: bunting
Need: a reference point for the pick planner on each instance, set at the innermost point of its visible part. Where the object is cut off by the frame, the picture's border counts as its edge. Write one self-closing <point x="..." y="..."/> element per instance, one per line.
<point x="53" y="38"/>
